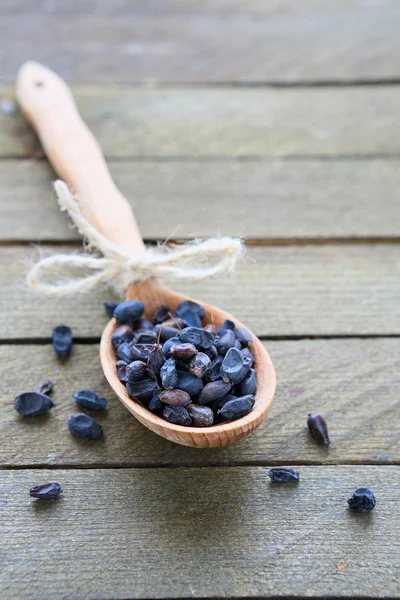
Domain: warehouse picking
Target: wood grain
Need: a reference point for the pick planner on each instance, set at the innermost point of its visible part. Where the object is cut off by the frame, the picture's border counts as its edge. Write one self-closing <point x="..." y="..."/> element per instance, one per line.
<point x="234" y="122"/>
<point x="279" y="40"/>
<point x="267" y="200"/>
<point x="199" y="533"/>
<point x="354" y="383"/>
<point x="292" y="290"/>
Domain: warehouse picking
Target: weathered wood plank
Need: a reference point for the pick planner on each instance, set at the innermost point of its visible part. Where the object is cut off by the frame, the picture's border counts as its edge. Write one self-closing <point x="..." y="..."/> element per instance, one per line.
<point x="284" y="41"/>
<point x="258" y="199"/>
<point x="202" y="533"/>
<point x="292" y="290"/>
<point x="238" y="122"/>
<point x="354" y="383"/>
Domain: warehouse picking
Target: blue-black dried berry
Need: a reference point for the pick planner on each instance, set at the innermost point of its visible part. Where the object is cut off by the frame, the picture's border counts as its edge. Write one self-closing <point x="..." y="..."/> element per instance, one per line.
<point x="248" y="355"/>
<point x="227" y="324"/>
<point x="193" y="306"/>
<point x="213" y="391"/>
<point x="31" y="404"/>
<point x="128" y="311"/>
<point x="140" y="352"/>
<point x="200" y="365"/>
<point x="155" y="405"/>
<point x="62" y="340"/>
<point x="281" y="475"/>
<point x="168" y="374"/>
<point x="44" y="388"/>
<point x="175" y="397"/>
<point x="145" y="337"/>
<point x="142" y="390"/>
<point x="202" y="339"/>
<point x="46" y="491"/>
<point x="215" y="370"/>
<point x="155" y="359"/>
<point x="121" y="335"/>
<point x="177" y="415"/>
<point x="124" y="352"/>
<point x="202" y="416"/>
<point x="166" y="333"/>
<point x="168" y="345"/>
<point x="318" y="428"/>
<point x="226" y="340"/>
<point x="189" y="383"/>
<point x="248" y="385"/>
<point x="83" y="426"/>
<point x="244" y="336"/>
<point x="89" y="400"/>
<point x="161" y="314"/>
<point x="191" y="318"/>
<point x="137" y="371"/>
<point x="183" y="351"/>
<point x="234" y="368"/>
<point x="142" y="325"/>
<point x="121" y="370"/>
<point x="110" y="307"/>
<point x="237" y="408"/>
<point x="363" y="500"/>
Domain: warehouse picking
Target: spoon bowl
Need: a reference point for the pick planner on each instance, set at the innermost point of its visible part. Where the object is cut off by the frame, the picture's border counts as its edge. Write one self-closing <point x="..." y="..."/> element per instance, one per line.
<point x="76" y="156"/>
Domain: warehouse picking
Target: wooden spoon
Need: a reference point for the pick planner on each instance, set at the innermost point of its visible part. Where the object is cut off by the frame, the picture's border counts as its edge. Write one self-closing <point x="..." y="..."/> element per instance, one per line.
<point x="75" y="155"/>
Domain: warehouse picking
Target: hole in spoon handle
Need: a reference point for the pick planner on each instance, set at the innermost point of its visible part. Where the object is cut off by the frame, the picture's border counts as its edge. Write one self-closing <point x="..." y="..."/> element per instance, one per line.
<point x="75" y="154"/>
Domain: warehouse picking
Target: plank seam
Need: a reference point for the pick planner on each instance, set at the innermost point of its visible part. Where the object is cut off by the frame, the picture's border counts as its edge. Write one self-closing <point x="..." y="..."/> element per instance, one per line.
<point x="209" y="465"/>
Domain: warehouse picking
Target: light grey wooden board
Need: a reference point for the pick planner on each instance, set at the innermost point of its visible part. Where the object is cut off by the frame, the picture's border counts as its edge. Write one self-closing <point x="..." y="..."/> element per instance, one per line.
<point x="289" y="290"/>
<point x="261" y="200"/>
<point x="202" y="533"/>
<point x="354" y="383"/>
<point x="279" y="40"/>
<point x="235" y="122"/>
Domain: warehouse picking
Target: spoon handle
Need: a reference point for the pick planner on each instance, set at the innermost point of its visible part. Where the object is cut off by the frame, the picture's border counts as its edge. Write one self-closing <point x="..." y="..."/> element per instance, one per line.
<point x="75" y="154"/>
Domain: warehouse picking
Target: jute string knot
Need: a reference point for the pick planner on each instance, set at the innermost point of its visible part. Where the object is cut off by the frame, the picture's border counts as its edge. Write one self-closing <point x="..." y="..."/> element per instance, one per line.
<point x="55" y="274"/>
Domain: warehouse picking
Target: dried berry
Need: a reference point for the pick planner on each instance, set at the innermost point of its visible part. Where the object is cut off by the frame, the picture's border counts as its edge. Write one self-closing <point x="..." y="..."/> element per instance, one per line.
<point x="160" y="314"/>
<point x="177" y="415"/>
<point x="248" y="385"/>
<point x="169" y="374"/>
<point x="193" y="306"/>
<point x="62" y="340"/>
<point x="200" y="365"/>
<point x="363" y="500"/>
<point x="168" y="345"/>
<point x="318" y="428"/>
<point x="190" y="317"/>
<point x="124" y="352"/>
<point x="142" y="390"/>
<point x="140" y="351"/>
<point x="142" y="325"/>
<point x="202" y="416"/>
<point x="247" y="353"/>
<point x="166" y="333"/>
<point x="137" y="371"/>
<point x="236" y="408"/>
<point x="215" y="370"/>
<point x="213" y="391"/>
<point x="83" y="426"/>
<point x="155" y="359"/>
<point x="31" y="404"/>
<point x="46" y="491"/>
<point x="200" y="338"/>
<point x="128" y="311"/>
<point x="244" y="336"/>
<point x="123" y="334"/>
<point x="175" y="322"/>
<point x="227" y="324"/>
<point x="234" y="368"/>
<point x="175" y="397"/>
<point x="226" y="340"/>
<point x="145" y="337"/>
<point x="44" y="388"/>
<point x="183" y="351"/>
<point x="155" y="405"/>
<point x="110" y="307"/>
<point x="189" y="383"/>
<point x="121" y="370"/>
<point x="281" y="475"/>
<point x="90" y="400"/>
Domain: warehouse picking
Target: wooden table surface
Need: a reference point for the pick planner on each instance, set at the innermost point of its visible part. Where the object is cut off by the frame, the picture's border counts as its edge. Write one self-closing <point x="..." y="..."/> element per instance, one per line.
<point x="278" y="121"/>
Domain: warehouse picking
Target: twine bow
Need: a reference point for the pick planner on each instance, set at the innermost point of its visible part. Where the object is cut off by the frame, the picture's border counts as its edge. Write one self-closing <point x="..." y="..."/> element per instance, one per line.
<point x="119" y="267"/>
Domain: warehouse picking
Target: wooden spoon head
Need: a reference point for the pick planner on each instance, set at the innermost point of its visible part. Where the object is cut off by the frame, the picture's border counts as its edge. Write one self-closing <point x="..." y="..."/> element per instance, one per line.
<point x="153" y="293"/>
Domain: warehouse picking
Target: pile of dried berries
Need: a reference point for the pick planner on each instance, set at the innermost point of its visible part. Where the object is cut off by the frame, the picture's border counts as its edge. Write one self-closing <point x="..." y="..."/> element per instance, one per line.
<point x="186" y="373"/>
